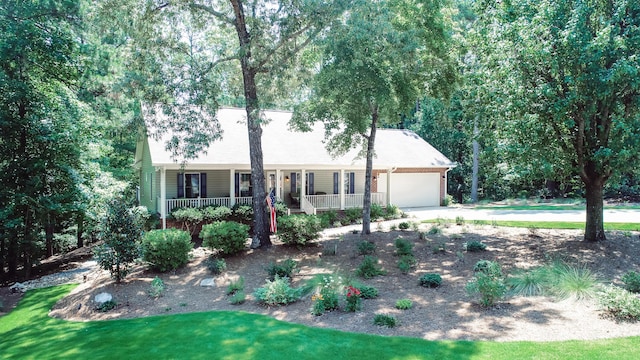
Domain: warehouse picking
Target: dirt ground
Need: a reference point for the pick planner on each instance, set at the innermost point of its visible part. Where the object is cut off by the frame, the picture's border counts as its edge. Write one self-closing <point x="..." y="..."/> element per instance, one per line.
<point x="446" y="312"/>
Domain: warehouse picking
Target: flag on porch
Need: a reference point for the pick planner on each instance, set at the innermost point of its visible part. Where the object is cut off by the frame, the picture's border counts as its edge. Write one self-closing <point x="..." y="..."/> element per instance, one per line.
<point x="271" y="200"/>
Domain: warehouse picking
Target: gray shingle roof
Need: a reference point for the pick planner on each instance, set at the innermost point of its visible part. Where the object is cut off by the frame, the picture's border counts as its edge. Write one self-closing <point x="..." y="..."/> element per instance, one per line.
<point x="285" y="148"/>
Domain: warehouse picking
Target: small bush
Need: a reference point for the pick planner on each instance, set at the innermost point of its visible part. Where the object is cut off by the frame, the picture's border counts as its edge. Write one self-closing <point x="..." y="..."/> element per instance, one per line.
<point x="328" y="218"/>
<point x="434" y="230"/>
<point x="403" y="247"/>
<point x="404" y="304"/>
<point x="228" y="237"/>
<point x="107" y="306"/>
<point x="299" y="229"/>
<point x="406" y="263"/>
<point x="284" y="269"/>
<point x="404" y="225"/>
<point x="531" y="282"/>
<point x="474" y="246"/>
<point x="156" y="288"/>
<point x="430" y="280"/>
<point x="439" y="248"/>
<point x="385" y="320"/>
<point x="353" y="298"/>
<point x="216" y="213"/>
<point x="188" y="217"/>
<point x="242" y="213"/>
<point x="235" y="286"/>
<point x="488" y="282"/>
<point x="238" y="298"/>
<point x="377" y="212"/>
<point x="619" y="303"/>
<point x="353" y="214"/>
<point x="459" y="220"/>
<point x="277" y="292"/>
<point x="166" y="249"/>
<point x="573" y="281"/>
<point x="392" y="212"/>
<point x="369" y="268"/>
<point x="631" y="281"/>
<point x="216" y="266"/>
<point x="366" y="247"/>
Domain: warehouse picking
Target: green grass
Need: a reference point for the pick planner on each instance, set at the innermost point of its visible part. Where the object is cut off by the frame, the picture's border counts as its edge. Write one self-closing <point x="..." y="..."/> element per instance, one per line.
<point x="549" y="224"/>
<point x="545" y="207"/>
<point x="28" y="333"/>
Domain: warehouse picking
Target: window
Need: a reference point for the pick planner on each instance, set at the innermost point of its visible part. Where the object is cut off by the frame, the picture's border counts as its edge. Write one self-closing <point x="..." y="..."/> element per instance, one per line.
<point x="349" y="182"/>
<point x="192" y="185"/>
<point x="245" y="185"/>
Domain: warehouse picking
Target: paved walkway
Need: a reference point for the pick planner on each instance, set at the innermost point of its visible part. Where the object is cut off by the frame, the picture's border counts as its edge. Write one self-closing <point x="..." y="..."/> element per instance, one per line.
<point x="610" y="215"/>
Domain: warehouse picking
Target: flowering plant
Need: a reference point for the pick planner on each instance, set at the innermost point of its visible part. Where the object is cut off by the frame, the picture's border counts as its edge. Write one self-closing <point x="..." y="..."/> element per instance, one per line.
<point x="354" y="299"/>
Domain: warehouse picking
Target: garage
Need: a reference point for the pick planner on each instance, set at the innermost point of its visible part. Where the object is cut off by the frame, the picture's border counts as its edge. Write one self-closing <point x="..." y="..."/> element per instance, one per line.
<point x="412" y="189"/>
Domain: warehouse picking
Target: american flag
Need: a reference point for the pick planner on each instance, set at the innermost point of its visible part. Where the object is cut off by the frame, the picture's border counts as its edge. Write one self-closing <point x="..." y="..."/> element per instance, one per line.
<point x="271" y="200"/>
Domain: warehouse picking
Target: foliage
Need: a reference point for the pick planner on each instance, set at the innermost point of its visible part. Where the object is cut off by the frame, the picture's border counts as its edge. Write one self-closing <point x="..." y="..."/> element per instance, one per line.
<point x="235" y="286"/>
<point x="404" y="304"/>
<point x="366" y="247"/>
<point x="284" y="269"/>
<point x="391" y="212"/>
<point x="122" y="230"/>
<point x="406" y="263"/>
<point x="377" y="212"/>
<point x="572" y="281"/>
<point x="156" y="288"/>
<point x="215" y="265"/>
<point x="631" y="281"/>
<point x="353" y="299"/>
<point x="277" y="292"/>
<point x="238" y="298"/>
<point x="166" y="249"/>
<point x="430" y="280"/>
<point x="403" y="247"/>
<point x="216" y="213"/>
<point x="107" y="306"/>
<point x="299" y="229"/>
<point x="228" y="237"/>
<point x="488" y="282"/>
<point x="404" y="225"/>
<point x="619" y="303"/>
<point x="328" y="218"/>
<point x="473" y="246"/>
<point x="439" y="247"/>
<point x="385" y="320"/>
<point x="353" y="214"/>
<point x="188" y="217"/>
<point x="434" y="230"/>
<point x="532" y="282"/>
<point x="242" y="213"/>
<point x="369" y="268"/>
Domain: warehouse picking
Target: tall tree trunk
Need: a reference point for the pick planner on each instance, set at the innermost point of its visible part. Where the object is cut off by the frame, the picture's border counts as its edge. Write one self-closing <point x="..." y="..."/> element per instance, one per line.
<point x="49" y="229"/>
<point x="366" y="206"/>
<point x="476" y="155"/>
<point x="260" y="219"/>
<point x="594" y="227"/>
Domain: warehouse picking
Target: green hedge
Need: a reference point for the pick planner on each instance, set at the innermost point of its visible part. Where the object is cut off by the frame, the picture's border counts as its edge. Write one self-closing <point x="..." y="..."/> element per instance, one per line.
<point x="166" y="249"/>
<point x="228" y="237"/>
<point x="299" y="229"/>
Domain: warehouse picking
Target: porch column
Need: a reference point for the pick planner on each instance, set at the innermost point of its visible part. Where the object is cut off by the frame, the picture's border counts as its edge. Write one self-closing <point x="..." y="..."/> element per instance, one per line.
<point x="389" y="187"/>
<point x="163" y="196"/>
<point x="303" y="183"/>
<point x="341" y="187"/>
<point x="278" y="185"/>
<point x="232" y="187"/>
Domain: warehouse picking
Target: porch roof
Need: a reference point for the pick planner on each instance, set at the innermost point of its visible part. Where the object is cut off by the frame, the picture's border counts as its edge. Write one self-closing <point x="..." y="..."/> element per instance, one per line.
<point x="285" y="148"/>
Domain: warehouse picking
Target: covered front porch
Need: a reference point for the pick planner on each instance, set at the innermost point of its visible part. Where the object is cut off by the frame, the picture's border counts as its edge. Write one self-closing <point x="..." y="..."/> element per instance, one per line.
<point x="309" y="190"/>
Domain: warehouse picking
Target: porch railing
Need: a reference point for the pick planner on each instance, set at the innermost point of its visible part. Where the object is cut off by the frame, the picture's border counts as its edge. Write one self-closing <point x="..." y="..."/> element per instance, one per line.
<point x="202" y="202"/>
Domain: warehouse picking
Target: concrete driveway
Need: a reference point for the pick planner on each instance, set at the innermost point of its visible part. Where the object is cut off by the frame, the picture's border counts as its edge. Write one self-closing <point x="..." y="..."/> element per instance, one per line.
<point x="613" y="215"/>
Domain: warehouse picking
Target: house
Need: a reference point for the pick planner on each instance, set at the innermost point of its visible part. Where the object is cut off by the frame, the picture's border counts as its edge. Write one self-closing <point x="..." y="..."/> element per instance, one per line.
<point x="407" y="171"/>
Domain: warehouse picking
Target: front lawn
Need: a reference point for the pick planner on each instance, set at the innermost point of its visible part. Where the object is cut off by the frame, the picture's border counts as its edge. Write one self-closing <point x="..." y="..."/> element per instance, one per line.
<point x="28" y="333"/>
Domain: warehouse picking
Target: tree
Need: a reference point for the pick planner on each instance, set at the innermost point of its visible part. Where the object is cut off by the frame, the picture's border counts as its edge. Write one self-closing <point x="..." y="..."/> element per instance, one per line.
<point x="180" y="45"/>
<point x="574" y="97"/>
<point x="376" y="64"/>
<point x="41" y="137"/>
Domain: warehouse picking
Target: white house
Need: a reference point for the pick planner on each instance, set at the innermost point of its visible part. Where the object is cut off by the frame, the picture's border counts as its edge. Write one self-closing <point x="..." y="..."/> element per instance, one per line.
<point x="407" y="171"/>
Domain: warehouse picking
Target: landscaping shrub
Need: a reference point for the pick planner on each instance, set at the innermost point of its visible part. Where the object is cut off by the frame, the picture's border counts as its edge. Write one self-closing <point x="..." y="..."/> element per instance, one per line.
<point x="353" y="214"/>
<point x="572" y="281"/>
<point x="299" y="229"/>
<point x="619" y="303"/>
<point x="385" y="320"/>
<point x="631" y="281"/>
<point x="156" y="288"/>
<point x="242" y="214"/>
<point x="531" y="282"/>
<point x="277" y="292"/>
<point x="434" y="230"/>
<point x="403" y="247"/>
<point x="216" y="213"/>
<point x="166" y="249"/>
<point x="328" y="218"/>
<point x="459" y="220"/>
<point x="107" y="306"/>
<point x="439" y="247"/>
<point x="391" y="212"/>
<point x="488" y="282"/>
<point x="406" y="263"/>
<point x="121" y="231"/>
<point x="430" y="280"/>
<point x="216" y="266"/>
<point x="367" y="292"/>
<point x="188" y="217"/>
<point x="235" y="286"/>
<point x="404" y="304"/>
<point x="238" y="297"/>
<point x="353" y="299"/>
<point x="369" y="268"/>
<point x="473" y="246"/>
<point x="404" y="225"/>
<point x="376" y="212"/>
<point x="284" y="269"/>
<point x="228" y="237"/>
<point x="366" y="247"/>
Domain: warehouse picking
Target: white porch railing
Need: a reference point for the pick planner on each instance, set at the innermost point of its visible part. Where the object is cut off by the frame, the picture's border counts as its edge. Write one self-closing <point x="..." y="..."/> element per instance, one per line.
<point x="202" y="202"/>
<point x="311" y="203"/>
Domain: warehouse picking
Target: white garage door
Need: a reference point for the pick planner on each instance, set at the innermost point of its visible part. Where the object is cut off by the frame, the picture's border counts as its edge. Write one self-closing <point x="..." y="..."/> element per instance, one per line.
<point x="412" y="190"/>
